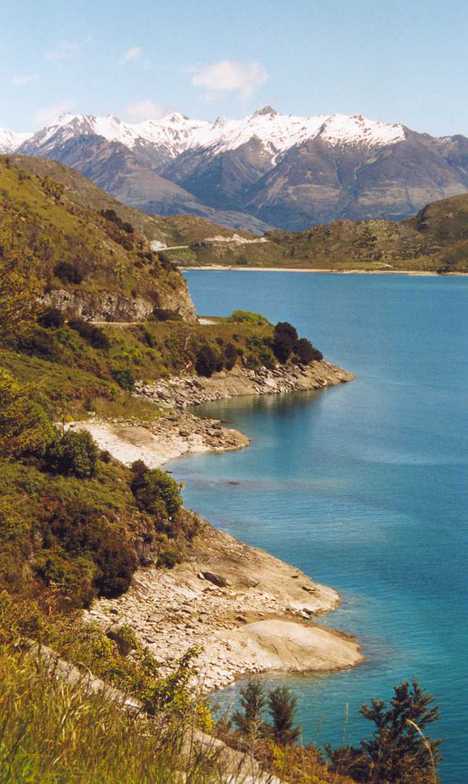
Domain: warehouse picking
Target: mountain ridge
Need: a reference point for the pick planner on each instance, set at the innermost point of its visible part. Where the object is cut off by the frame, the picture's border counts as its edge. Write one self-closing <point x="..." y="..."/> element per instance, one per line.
<point x="262" y="171"/>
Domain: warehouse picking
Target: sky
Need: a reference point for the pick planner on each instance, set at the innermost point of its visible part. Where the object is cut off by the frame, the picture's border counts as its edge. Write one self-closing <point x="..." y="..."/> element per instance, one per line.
<point x="393" y="61"/>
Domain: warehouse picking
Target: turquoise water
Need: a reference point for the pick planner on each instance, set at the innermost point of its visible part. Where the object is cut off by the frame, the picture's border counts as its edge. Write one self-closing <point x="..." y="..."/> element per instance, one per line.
<point x="363" y="486"/>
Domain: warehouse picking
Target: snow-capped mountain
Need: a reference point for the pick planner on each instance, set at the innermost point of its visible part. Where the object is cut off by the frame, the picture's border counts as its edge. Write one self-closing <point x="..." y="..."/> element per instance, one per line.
<point x="11" y="140"/>
<point x="175" y="134"/>
<point x="266" y="169"/>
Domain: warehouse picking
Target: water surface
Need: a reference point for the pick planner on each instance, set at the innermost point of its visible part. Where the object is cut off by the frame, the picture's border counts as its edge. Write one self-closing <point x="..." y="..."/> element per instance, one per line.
<point x="363" y="486"/>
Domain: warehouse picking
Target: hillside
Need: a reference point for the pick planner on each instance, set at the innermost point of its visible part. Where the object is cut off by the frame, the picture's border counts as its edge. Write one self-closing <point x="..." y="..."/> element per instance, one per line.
<point x="87" y="252"/>
<point x="266" y="169"/>
<point x="435" y="240"/>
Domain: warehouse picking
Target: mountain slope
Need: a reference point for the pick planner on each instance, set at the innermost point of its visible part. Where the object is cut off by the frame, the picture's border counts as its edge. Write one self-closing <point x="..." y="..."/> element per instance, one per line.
<point x="263" y="170"/>
<point x="91" y="263"/>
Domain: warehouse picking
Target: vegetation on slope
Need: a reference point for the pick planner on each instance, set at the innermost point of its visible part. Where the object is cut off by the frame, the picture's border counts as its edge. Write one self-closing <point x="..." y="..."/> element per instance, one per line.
<point x="83" y="257"/>
<point x="435" y="240"/>
<point x="75" y="524"/>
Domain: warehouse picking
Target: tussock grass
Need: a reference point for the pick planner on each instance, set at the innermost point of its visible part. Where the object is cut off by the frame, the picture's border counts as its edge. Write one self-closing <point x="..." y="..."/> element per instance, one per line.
<point x="53" y="732"/>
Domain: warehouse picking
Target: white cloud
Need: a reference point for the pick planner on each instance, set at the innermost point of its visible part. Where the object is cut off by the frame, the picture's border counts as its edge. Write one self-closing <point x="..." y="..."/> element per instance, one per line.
<point x="64" y="50"/>
<point x="230" y="76"/>
<point x="22" y="80"/>
<point x="132" y="54"/>
<point x="144" y="110"/>
<point x="47" y="114"/>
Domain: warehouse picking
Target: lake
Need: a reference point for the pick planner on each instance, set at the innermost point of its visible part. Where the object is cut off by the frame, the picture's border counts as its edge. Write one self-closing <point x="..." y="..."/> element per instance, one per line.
<point x="363" y="486"/>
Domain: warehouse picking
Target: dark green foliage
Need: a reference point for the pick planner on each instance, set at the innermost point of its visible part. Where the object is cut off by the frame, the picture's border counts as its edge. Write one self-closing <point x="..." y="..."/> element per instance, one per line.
<point x="72" y="454"/>
<point x="155" y="491"/>
<point x="51" y="318"/>
<point x="284" y="339"/>
<point x="112" y="216"/>
<point x="207" y="362"/>
<point x="68" y="272"/>
<point x="89" y="332"/>
<point x="124" y="378"/>
<point x="230" y="356"/>
<point x="282" y="707"/>
<point x="248" y="317"/>
<point x="249" y="719"/>
<point x="398" y="752"/>
<point x="306" y="352"/>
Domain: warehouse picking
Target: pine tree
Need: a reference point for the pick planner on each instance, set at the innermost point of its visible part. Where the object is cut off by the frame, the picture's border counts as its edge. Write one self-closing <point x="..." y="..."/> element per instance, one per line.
<point x="249" y="720"/>
<point x="282" y="707"/>
<point x="398" y="752"/>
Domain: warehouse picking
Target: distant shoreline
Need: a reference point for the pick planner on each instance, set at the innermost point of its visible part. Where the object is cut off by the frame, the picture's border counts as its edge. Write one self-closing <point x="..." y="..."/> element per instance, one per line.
<point x="328" y="271"/>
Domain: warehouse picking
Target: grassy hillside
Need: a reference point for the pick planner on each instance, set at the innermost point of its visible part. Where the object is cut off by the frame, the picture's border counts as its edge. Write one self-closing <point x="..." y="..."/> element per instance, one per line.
<point x="82" y="246"/>
<point x="436" y="240"/>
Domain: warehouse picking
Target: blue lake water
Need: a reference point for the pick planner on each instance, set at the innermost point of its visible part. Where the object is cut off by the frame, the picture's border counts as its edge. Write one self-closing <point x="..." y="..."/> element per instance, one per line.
<point x="363" y="486"/>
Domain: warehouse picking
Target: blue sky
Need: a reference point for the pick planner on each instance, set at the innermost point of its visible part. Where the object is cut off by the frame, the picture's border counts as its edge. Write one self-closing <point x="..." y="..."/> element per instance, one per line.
<point x="397" y="61"/>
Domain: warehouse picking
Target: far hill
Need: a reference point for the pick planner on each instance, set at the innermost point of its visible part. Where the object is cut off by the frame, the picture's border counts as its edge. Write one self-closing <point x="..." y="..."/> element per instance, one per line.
<point x="435" y="240"/>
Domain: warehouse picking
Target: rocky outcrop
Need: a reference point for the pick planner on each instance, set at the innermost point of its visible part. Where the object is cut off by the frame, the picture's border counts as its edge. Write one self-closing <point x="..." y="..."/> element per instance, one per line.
<point x="259" y="615"/>
<point x="106" y="306"/>
<point x="187" y="390"/>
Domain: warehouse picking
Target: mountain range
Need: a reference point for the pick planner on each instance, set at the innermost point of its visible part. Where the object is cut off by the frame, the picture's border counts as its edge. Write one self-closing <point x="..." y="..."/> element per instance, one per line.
<point x="265" y="170"/>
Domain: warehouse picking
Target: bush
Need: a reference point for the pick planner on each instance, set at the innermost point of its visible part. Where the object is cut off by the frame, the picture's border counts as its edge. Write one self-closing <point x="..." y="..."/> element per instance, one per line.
<point x="51" y="318"/>
<point x="230" y="356"/>
<point x="74" y="453"/>
<point x="25" y="428"/>
<point x="207" y="362"/>
<point x="112" y="216"/>
<point x="284" y="340"/>
<point x="124" y="378"/>
<point x="89" y="332"/>
<point x="155" y="491"/>
<point x="306" y="352"/>
<point x="68" y="272"/>
<point x="248" y="317"/>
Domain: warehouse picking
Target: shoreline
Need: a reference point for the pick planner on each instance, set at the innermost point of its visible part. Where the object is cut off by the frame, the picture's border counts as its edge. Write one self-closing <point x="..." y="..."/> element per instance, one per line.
<point x="325" y="271"/>
<point x="248" y="611"/>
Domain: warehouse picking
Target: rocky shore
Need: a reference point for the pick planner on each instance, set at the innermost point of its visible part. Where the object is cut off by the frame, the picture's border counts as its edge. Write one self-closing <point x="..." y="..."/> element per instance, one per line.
<point x="187" y="390"/>
<point x="247" y="611"/>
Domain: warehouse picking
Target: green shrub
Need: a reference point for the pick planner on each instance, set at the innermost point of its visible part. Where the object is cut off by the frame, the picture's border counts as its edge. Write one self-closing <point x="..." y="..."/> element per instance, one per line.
<point x="51" y="318"/>
<point x="207" y="362"/>
<point x="248" y="317"/>
<point x="124" y="378"/>
<point x="230" y="356"/>
<point x="89" y="332"/>
<point x="73" y="453"/>
<point x="155" y="491"/>
<point x="68" y="272"/>
<point x="25" y="427"/>
<point x="164" y="314"/>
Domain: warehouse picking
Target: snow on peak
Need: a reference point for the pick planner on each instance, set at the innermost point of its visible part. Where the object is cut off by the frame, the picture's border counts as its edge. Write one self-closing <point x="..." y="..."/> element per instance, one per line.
<point x="11" y="140"/>
<point x="175" y="133"/>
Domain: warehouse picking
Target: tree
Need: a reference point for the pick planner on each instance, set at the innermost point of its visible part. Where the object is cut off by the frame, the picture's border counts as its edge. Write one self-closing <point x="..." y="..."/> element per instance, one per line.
<point x="51" y="318"/>
<point x="207" y="362"/>
<point x="155" y="491"/>
<point x="25" y="427"/>
<point x="249" y="720"/>
<point x="282" y="707"/>
<point x="284" y="340"/>
<point x="72" y="454"/>
<point x="398" y="752"/>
